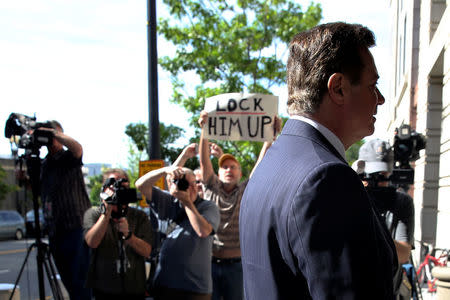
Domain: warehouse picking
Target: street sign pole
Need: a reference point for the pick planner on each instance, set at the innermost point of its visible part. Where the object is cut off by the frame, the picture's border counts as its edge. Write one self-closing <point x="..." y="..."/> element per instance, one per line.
<point x="153" y="151"/>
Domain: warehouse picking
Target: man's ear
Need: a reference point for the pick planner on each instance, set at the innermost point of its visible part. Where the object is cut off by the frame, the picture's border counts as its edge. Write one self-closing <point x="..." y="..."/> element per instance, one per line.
<point x="336" y="86"/>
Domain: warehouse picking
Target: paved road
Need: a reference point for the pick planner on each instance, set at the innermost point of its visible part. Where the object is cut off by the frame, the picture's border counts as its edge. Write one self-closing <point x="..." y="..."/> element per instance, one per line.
<point x="12" y="257"/>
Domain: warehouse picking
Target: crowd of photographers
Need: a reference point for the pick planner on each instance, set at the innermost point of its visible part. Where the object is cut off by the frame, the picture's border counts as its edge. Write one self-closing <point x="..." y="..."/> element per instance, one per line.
<point x="121" y="236"/>
<point x="193" y="229"/>
<point x="189" y="263"/>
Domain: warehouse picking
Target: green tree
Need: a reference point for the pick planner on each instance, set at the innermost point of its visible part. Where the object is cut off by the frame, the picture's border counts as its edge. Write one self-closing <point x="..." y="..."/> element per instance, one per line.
<point x="138" y="136"/>
<point x="5" y="188"/>
<point x="95" y="186"/>
<point x="232" y="48"/>
<point x="353" y="151"/>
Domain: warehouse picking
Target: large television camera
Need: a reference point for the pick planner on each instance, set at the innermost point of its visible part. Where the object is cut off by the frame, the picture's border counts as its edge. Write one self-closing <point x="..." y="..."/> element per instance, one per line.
<point x="121" y="197"/>
<point x="25" y="133"/>
<point x="407" y="144"/>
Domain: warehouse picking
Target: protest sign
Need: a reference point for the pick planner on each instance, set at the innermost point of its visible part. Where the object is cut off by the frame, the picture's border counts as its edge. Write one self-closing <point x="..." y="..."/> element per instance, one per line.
<point x="241" y="117"/>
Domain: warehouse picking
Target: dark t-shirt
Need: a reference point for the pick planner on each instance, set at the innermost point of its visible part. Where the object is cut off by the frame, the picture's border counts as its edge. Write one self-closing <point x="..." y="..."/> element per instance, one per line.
<point x="185" y="258"/>
<point x="63" y="192"/>
<point x="104" y="270"/>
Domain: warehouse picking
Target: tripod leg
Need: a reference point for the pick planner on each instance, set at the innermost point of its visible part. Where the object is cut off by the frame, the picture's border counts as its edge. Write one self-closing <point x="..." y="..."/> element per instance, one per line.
<point x="21" y="269"/>
<point x="51" y="275"/>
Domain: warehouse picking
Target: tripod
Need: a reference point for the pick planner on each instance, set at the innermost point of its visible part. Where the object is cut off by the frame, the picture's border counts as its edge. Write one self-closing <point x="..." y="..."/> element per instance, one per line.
<point x="43" y="256"/>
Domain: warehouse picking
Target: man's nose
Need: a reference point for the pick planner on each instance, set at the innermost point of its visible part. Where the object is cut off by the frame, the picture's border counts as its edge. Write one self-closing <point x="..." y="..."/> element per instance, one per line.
<point x="380" y="97"/>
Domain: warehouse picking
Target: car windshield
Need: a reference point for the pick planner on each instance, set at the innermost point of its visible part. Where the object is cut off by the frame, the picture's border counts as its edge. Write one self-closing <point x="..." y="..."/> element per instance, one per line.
<point x="30" y="214"/>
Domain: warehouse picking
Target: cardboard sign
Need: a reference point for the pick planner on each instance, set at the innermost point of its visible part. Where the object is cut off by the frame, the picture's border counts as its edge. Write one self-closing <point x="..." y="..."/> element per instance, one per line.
<point x="146" y="166"/>
<point x="238" y="117"/>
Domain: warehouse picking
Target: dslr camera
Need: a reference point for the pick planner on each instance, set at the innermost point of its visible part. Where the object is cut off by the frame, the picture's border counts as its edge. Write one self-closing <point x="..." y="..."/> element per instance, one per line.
<point x="121" y="197"/>
<point x="18" y="126"/>
<point x="182" y="183"/>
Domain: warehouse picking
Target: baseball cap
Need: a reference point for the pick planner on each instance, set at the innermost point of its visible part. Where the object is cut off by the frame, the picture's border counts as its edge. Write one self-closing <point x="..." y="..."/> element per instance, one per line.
<point x="377" y="155"/>
<point x="226" y="156"/>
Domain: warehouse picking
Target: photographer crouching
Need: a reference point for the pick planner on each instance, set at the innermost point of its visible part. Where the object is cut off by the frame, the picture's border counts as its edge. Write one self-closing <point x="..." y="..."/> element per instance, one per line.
<point x="121" y="240"/>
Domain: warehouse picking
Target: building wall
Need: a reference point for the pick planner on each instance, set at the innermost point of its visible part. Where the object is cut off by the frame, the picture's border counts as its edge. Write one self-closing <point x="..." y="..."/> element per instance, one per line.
<point x="420" y="97"/>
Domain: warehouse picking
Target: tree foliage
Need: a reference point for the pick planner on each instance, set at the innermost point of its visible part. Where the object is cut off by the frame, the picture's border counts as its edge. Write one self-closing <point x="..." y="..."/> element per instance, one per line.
<point x="353" y="151"/>
<point x="232" y="46"/>
<point x="95" y="187"/>
<point x="5" y="188"/>
<point x="138" y="134"/>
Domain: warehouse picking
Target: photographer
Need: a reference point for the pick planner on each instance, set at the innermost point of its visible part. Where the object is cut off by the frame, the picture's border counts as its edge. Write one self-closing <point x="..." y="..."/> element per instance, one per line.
<point x="64" y="201"/>
<point x="396" y="208"/>
<point x="184" y="266"/>
<point x="121" y="239"/>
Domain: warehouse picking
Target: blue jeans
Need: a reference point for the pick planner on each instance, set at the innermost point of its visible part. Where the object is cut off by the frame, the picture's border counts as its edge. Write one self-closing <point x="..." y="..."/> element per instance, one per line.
<point x="71" y="256"/>
<point x="227" y="281"/>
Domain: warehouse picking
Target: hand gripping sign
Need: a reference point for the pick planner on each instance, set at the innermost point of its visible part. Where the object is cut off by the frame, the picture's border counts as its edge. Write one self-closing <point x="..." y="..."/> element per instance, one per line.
<point x="241" y="117"/>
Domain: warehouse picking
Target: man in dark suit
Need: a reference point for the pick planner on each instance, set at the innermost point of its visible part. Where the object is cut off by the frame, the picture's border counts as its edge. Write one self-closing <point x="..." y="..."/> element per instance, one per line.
<point x="307" y="227"/>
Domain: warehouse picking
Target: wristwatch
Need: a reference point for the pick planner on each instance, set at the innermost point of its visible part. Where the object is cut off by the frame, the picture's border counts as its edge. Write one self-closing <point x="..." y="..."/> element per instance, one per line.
<point x="128" y="235"/>
<point x="102" y="209"/>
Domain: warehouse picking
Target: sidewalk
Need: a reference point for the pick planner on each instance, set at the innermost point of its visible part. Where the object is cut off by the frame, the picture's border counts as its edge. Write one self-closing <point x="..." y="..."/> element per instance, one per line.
<point x="427" y="295"/>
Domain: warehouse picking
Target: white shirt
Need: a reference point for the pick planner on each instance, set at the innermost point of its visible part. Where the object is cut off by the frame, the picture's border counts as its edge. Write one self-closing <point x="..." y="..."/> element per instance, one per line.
<point x="330" y="136"/>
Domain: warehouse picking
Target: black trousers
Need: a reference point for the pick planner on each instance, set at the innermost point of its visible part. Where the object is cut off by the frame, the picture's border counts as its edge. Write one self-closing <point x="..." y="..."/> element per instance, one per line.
<point x="164" y="293"/>
<point x="98" y="295"/>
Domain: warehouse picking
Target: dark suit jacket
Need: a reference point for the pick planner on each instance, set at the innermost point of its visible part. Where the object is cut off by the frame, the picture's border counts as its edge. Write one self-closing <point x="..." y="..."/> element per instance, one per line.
<point x="307" y="227"/>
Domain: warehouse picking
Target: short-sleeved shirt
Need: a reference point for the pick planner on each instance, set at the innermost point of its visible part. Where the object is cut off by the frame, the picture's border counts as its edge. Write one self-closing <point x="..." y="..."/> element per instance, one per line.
<point x="400" y="218"/>
<point x="63" y="192"/>
<point x="104" y="270"/>
<point x="185" y="258"/>
<point x="227" y="235"/>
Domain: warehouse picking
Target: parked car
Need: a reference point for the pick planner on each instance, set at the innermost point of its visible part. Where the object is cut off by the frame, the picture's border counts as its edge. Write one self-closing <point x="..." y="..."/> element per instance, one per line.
<point x="12" y="225"/>
<point x="29" y="217"/>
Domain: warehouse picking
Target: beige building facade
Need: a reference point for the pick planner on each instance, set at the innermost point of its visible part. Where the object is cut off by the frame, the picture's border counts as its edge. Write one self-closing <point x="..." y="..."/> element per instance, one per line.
<point x="420" y="97"/>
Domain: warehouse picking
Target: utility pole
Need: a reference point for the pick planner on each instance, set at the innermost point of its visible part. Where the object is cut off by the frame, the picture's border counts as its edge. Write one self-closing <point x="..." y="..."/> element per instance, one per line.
<point x="153" y="151"/>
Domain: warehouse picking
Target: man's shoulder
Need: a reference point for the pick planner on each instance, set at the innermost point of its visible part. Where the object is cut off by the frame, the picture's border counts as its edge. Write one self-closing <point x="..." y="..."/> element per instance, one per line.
<point x="136" y="211"/>
<point x="206" y="204"/>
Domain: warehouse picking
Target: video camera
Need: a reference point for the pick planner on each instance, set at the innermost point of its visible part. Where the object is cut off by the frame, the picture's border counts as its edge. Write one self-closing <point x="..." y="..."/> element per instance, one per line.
<point x="407" y="144"/>
<point x="18" y="127"/>
<point x="121" y="197"/>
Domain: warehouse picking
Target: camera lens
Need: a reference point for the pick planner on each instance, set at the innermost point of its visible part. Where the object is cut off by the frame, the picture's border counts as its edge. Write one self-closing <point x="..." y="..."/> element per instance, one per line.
<point x="182" y="183"/>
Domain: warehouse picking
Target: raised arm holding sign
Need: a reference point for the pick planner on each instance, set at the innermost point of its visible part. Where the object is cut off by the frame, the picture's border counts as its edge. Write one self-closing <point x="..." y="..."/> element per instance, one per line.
<point x="226" y="190"/>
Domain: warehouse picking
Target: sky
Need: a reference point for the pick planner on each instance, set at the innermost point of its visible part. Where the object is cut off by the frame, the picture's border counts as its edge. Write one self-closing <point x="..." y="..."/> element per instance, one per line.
<point x="84" y="63"/>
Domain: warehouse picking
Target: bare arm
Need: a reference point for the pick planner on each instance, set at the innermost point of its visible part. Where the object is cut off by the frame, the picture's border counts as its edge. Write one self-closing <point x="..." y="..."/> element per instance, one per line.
<point x="95" y="234"/>
<point x="140" y="246"/>
<point x="187" y="153"/>
<point x="71" y="144"/>
<point x="146" y="182"/>
<point x="205" y="161"/>
<point x="403" y="251"/>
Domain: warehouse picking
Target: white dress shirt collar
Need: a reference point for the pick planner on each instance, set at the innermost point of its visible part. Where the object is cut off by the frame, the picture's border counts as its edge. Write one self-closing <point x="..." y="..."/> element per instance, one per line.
<point x="330" y="136"/>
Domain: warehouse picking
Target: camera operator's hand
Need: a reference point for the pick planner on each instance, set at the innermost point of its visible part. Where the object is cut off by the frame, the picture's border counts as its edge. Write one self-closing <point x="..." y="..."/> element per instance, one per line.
<point x="174" y="172"/>
<point x="108" y="209"/>
<point x="122" y="226"/>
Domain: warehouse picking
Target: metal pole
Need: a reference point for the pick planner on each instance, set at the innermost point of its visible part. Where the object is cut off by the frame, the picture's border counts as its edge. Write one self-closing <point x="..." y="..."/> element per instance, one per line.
<point x="154" y="151"/>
